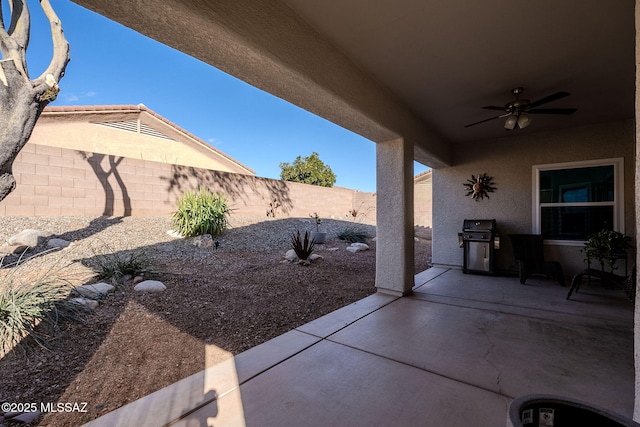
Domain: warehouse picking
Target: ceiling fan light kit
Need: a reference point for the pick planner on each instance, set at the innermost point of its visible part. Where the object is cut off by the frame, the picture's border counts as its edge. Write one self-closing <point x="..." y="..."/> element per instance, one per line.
<point x="511" y="122"/>
<point x="517" y="111"/>
<point x="520" y="120"/>
<point x="523" y="120"/>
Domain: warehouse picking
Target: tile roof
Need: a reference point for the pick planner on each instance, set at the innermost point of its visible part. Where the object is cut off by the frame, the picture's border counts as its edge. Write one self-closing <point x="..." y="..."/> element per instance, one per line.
<point x="423" y="175"/>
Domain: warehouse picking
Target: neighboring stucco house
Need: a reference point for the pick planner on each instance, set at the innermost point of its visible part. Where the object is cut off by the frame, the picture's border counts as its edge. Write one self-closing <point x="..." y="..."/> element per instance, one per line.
<point x="410" y="75"/>
<point x="132" y="131"/>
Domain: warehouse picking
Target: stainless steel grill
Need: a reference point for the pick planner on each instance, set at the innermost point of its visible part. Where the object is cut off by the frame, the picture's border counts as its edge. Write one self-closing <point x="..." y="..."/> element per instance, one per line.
<point x="479" y="242"/>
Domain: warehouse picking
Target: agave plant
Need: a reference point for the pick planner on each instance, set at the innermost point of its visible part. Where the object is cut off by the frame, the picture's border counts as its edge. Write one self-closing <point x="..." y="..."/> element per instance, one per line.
<point x="303" y="246"/>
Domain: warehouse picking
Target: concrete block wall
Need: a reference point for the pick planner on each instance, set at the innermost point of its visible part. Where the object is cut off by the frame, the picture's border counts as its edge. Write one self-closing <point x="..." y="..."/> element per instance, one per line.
<point x="53" y="181"/>
<point x="364" y="204"/>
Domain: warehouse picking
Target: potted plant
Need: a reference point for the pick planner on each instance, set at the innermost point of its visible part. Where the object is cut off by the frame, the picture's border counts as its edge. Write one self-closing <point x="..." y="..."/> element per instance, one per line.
<point x="606" y="247"/>
<point x="317" y="236"/>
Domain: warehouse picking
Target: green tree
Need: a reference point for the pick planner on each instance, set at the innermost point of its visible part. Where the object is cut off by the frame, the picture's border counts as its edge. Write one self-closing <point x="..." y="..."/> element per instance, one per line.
<point x="308" y="170"/>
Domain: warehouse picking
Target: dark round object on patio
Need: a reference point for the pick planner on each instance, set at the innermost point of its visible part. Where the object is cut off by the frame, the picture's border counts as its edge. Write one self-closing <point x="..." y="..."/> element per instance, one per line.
<point x="557" y="411"/>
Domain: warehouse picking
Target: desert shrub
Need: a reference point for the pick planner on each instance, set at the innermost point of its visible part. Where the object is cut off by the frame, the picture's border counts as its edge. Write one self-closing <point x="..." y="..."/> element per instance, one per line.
<point x="303" y="246"/>
<point x="353" y="235"/>
<point x="201" y="212"/>
<point x="32" y="305"/>
<point x="116" y="265"/>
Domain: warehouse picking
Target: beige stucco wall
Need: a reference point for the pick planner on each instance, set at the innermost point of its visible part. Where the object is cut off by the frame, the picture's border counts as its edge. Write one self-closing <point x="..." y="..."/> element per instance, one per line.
<point x="97" y="138"/>
<point x="509" y="161"/>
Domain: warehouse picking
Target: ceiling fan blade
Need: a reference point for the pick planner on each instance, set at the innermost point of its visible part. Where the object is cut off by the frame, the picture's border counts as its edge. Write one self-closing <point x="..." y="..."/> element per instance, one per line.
<point x="493" y="107"/>
<point x="487" y="120"/>
<point x="549" y="98"/>
<point x="553" y="111"/>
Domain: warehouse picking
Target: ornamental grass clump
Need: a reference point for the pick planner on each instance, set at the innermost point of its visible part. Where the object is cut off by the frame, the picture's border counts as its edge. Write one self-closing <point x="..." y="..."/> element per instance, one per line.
<point x="33" y="305"/>
<point x="302" y="246"/>
<point x="114" y="266"/>
<point x="201" y="212"/>
<point x="353" y="235"/>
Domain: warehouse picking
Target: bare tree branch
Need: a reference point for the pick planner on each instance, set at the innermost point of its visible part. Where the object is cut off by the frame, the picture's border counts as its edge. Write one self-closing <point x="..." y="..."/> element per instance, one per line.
<point x="4" y="36"/>
<point x="21" y="99"/>
<point x="20" y="28"/>
<point x="20" y="22"/>
<point x="60" y="46"/>
<point x="4" y="42"/>
<point x="1" y="17"/>
<point x="14" y="42"/>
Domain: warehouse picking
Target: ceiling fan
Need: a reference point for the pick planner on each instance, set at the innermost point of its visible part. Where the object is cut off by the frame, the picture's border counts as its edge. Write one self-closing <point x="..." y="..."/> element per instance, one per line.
<point x="517" y="112"/>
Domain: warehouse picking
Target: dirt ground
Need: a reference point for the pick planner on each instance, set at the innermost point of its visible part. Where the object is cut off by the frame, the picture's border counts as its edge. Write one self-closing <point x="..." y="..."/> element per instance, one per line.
<point x="215" y="306"/>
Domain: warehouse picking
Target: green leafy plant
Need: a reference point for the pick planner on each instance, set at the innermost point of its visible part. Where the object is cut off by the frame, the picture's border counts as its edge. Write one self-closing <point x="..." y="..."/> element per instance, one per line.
<point x="606" y="247"/>
<point x="32" y="305"/>
<point x="201" y="212"/>
<point x="302" y="246"/>
<point x="116" y="265"/>
<point x="353" y="235"/>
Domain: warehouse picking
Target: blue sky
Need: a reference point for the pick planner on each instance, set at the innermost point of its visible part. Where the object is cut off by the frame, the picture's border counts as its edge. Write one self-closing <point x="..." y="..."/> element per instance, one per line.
<point x="111" y="64"/>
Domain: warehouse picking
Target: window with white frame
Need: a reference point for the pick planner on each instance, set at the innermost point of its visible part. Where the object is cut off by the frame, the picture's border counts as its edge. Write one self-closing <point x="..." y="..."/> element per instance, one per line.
<point x="573" y="200"/>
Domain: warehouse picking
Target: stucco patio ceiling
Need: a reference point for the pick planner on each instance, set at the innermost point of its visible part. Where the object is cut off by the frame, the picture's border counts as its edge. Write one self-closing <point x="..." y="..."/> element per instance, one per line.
<point x="447" y="59"/>
<point x="420" y="69"/>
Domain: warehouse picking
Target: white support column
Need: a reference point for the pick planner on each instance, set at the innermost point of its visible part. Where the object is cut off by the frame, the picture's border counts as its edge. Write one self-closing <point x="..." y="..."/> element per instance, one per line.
<point x="394" y="245"/>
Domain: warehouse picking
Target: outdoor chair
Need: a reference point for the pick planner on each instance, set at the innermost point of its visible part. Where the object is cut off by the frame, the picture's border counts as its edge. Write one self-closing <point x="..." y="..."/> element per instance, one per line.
<point x="528" y="250"/>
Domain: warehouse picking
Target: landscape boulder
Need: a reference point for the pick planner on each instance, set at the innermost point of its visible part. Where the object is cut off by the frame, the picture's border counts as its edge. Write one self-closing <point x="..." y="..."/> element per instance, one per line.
<point x="150" y="286"/>
<point x="86" y="302"/>
<point x="316" y="257"/>
<point x="13" y="250"/>
<point x="174" y="233"/>
<point x="94" y="291"/>
<point x="58" y="243"/>
<point x="204" y="241"/>
<point x="357" y="247"/>
<point x="30" y="238"/>
<point x="291" y="256"/>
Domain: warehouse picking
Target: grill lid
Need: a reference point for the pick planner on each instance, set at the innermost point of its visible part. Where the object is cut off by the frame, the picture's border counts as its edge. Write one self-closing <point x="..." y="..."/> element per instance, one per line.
<point x="479" y="225"/>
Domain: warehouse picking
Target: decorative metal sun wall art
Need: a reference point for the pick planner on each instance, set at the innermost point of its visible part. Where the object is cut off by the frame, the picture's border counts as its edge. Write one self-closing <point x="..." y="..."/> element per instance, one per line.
<point x="478" y="187"/>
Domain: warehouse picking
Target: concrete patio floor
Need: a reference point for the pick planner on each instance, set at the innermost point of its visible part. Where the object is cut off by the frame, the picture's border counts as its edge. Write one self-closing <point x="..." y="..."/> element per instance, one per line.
<point x="454" y="353"/>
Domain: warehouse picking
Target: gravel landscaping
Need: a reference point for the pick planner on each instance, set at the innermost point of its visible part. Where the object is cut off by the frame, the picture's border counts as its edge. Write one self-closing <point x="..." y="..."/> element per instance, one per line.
<point x="218" y="302"/>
